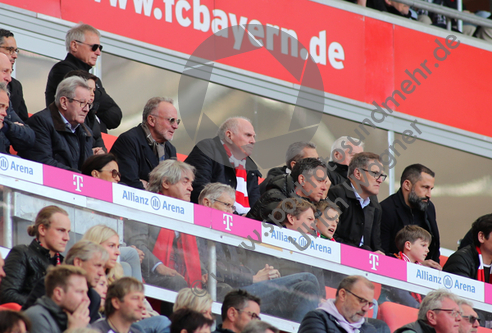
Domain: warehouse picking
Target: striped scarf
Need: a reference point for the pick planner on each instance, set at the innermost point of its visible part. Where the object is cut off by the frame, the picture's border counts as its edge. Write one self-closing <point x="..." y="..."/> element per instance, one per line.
<point x="481" y="271"/>
<point x="404" y="257"/>
<point x="242" y="200"/>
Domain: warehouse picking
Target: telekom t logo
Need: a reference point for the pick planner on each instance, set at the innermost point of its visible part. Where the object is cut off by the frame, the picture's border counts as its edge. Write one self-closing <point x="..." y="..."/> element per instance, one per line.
<point x="78" y="181"/>
<point x="227" y="221"/>
<point x="374" y="261"/>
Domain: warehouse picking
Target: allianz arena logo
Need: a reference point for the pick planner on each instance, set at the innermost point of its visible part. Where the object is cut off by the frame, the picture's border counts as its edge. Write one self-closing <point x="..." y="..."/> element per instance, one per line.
<point x="4" y="163"/>
<point x="447" y="282"/>
<point x="155" y="203"/>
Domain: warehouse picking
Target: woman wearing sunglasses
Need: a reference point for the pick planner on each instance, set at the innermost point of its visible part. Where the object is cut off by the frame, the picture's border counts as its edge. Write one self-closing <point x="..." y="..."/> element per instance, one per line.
<point x="102" y="166"/>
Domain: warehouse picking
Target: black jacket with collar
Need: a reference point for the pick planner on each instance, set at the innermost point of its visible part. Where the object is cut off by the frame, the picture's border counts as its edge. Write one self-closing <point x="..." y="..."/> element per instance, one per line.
<point x="397" y="214"/>
<point x="212" y="165"/>
<point x="337" y="173"/>
<point x="320" y="321"/>
<point x="24" y="266"/>
<point x="356" y="222"/>
<point x="464" y="262"/>
<point x="17" y="99"/>
<point x="55" y="144"/>
<point x="108" y="112"/>
<point x="136" y="159"/>
<point x="272" y="173"/>
<point x="21" y="137"/>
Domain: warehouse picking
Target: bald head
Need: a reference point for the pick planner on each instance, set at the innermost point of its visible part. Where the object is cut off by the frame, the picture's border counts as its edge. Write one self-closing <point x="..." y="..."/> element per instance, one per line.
<point x="5" y="69"/>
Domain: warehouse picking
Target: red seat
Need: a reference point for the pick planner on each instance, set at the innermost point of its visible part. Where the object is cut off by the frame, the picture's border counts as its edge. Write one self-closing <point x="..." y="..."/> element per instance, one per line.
<point x="397" y="315"/>
<point x="10" y="306"/>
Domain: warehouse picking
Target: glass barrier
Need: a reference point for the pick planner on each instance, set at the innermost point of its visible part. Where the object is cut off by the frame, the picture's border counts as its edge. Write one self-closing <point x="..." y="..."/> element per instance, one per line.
<point x="290" y="277"/>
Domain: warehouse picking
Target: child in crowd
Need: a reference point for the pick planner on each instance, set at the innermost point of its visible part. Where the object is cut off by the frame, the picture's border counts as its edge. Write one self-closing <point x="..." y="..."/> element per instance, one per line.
<point x="413" y="243"/>
<point x="327" y="221"/>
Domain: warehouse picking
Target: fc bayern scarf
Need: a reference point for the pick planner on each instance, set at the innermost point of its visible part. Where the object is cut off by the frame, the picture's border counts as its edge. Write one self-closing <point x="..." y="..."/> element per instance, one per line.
<point x="242" y="200"/>
<point x="481" y="271"/>
<point x="404" y="257"/>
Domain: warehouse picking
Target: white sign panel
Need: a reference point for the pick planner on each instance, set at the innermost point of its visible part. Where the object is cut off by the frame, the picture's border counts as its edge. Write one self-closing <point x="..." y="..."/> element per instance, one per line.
<point x="432" y="278"/>
<point x="153" y="203"/>
<point x="19" y="168"/>
<point x="298" y="242"/>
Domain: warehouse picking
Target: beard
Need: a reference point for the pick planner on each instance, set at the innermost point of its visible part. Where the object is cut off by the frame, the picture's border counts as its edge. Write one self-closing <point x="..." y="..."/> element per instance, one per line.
<point x="417" y="202"/>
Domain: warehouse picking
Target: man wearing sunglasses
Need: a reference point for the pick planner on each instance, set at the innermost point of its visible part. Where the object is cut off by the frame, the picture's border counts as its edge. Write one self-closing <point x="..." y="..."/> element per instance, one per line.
<point x="84" y="47"/>
<point x="469" y="320"/>
<point x="360" y="220"/>
<point x="411" y="205"/>
<point x="62" y="138"/>
<point x="439" y="312"/>
<point x="8" y="46"/>
<point x="345" y="313"/>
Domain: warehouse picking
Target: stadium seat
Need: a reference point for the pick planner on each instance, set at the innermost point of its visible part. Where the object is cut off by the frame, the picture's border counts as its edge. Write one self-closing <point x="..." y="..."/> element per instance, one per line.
<point x="396" y="315"/>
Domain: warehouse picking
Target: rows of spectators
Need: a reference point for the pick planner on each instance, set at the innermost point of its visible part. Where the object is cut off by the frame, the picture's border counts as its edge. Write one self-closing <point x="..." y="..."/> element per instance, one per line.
<point x="336" y="200"/>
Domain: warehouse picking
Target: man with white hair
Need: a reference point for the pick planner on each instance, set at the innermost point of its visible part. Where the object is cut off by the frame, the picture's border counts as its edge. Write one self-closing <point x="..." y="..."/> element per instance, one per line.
<point x="62" y="138"/>
<point x="226" y="159"/>
<point x="469" y="319"/>
<point x="439" y="312"/>
<point x="84" y="47"/>
<point x="342" y="151"/>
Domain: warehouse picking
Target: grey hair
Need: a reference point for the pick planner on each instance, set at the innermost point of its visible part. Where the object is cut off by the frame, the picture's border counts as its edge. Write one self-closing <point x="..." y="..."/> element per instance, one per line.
<point x="3" y="87"/>
<point x="258" y="326"/>
<point x="85" y="250"/>
<point x="170" y="171"/>
<point x="78" y="33"/>
<point x="462" y="301"/>
<point x="212" y="191"/>
<point x="152" y="104"/>
<point x="294" y="152"/>
<point x="341" y="144"/>
<point x="67" y="88"/>
<point x="433" y="300"/>
<point x="230" y="124"/>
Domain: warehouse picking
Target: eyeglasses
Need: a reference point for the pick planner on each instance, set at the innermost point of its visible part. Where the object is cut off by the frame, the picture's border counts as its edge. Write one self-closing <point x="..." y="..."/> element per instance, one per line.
<point x="94" y="47"/>
<point x="377" y="175"/>
<point x="252" y="315"/>
<point x="471" y="319"/>
<point x="452" y="312"/>
<point x="362" y="301"/>
<point x="10" y="49"/>
<point x="170" y="119"/>
<point x="82" y="103"/>
<point x="228" y="205"/>
<point x="115" y="173"/>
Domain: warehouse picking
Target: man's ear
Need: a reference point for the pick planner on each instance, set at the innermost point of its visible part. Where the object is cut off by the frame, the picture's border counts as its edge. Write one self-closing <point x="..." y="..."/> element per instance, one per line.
<point x="292" y="163"/>
<point x="95" y="173"/>
<point x="231" y="314"/>
<point x="407" y="246"/>
<point x="290" y="219"/>
<point x="165" y="184"/>
<point x="481" y="237"/>
<point x="301" y="179"/>
<point x="407" y="185"/>
<point x="207" y="202"/>
<point x="431" y="317"/>
<point x="77" y="262"/>
<point x="57" y="294"/>
<point x="115" y="302"/>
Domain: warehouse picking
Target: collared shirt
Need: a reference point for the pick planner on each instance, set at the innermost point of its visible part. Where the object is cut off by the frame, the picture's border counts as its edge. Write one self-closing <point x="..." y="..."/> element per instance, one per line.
<point x="67" y="124"/>
<point x="363" y="202"/>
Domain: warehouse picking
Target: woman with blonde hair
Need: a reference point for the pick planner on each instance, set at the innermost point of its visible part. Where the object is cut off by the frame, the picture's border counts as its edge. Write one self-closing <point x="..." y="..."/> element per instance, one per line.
<point x="194" y="299"/>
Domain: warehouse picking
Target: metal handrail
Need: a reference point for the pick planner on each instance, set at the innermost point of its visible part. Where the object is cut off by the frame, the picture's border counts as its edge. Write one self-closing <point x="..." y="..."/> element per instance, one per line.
<point x="448" y="12"/>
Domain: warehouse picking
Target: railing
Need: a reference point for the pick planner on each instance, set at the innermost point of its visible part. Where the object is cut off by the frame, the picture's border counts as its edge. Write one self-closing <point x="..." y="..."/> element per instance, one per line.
<point x="29" y="186"/>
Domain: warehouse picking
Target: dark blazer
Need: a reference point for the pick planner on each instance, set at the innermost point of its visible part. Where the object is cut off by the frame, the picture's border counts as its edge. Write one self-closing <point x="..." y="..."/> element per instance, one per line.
<point x="356" y="222"/>
<point x="272" y="173"/>
<point x="397" y="214"/>
<point x="24" y="266"/>
<point x="136" y="159"/>
<point x="108" y="112"/>
<point x="21" y="137"/>
<point x="337" y="173"/>
<point x="319" y="321"/>
<point x="212" y="165"/>
<point x="17" y="99"/>
<point x="55" y="144"/>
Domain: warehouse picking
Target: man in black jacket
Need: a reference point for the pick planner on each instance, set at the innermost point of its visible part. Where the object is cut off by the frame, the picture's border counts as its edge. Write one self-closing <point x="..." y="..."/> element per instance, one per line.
<point x="84" y="47"/>
<point x="296" y="151"/>
<point x="62" y="138"/>
<point x="307" y="180"/>
<point x="474" y="260"/>
<point x="342" y="151"/>
<point x="346" y="312"/>
<point x="8" y="46"/>
<point x="411" y="205"/>
<point x="140" y="149"/>
<point x="226" y="159"/>
<point x="360" y="220"/>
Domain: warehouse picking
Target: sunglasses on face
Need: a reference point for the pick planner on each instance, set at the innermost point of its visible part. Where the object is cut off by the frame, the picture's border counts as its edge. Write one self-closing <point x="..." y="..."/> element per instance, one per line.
<point x="94" y="47"/>
<point x="115" y="173"/>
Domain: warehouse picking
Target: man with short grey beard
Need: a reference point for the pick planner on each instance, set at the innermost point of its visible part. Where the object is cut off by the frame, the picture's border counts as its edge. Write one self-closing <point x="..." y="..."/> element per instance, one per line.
<point x="411" y="205"/>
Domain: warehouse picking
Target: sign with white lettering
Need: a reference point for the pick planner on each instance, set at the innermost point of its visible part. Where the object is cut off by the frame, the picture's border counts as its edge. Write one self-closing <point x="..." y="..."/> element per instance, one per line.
<point x="19" y="168"/>
<point x="432" y="278"/>
<point x="300" y="242"/>
<point x="153" y="203"/>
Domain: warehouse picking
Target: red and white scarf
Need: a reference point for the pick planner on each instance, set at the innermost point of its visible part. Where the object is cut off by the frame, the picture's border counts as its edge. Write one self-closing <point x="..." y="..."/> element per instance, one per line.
<point x="481" y="272"/>
<point x="242" y="200"/>
<point x="404" y="257"/>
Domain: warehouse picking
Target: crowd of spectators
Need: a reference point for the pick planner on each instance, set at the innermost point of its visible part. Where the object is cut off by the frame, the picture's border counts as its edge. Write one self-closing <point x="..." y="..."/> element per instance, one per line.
<point x="99" y="283"/>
